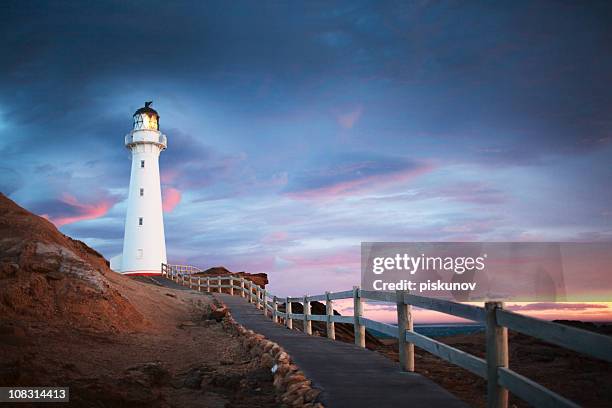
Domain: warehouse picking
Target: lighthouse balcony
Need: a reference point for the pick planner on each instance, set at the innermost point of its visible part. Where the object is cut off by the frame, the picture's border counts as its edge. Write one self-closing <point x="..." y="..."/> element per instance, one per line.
<point x="146" y="136"/>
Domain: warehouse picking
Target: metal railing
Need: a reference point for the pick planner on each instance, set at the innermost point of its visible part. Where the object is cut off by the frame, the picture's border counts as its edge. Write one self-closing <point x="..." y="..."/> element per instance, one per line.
<point x="493" y="368"/>
<point x="161" y="140"/>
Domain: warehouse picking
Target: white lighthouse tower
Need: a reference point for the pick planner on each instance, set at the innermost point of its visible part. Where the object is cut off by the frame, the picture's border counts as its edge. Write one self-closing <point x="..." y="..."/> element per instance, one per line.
<point x="144" y="243"/>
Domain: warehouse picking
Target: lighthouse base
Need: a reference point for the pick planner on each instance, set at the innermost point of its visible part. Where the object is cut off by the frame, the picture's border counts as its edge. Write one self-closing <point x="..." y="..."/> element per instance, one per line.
<point x="141" y="273"/>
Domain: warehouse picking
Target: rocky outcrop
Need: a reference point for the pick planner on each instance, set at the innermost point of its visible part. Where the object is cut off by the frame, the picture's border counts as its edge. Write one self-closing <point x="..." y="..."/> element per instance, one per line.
<point x="260" y="279"/>
<point x="45" y="275"/>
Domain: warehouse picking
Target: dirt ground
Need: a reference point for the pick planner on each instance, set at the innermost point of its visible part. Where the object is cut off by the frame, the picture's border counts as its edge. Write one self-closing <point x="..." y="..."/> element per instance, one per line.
<point x="181" y="359"/>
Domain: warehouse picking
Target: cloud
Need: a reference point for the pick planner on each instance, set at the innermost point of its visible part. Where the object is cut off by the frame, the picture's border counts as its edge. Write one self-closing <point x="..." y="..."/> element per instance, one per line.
<point x="10" y="180"/>
<point x="545" y="306"/>
<point x="189" y="164"/>
<point x="469" y="192"/>
<point x="171" y="197"/>
<point x="275" y="236"/>
<point x="349" y="119"/>
<point x="354" y="176"/>
<point x="335" y="38"/>
<point x="68" y="209"/>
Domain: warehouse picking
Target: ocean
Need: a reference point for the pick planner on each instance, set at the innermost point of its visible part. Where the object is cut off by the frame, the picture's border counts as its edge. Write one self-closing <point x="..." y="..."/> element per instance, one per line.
<point x="439" y="329"/>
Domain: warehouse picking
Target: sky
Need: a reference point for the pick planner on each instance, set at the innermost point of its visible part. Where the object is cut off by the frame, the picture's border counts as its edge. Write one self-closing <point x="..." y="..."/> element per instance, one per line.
<point x="298" y="130"/>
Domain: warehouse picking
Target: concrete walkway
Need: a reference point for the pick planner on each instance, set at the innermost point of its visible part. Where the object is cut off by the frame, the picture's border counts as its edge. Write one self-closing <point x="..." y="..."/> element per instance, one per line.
<point x="348" y="375"/>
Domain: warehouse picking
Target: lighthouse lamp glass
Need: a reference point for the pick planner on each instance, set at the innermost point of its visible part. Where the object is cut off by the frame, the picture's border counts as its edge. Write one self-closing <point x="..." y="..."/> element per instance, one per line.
<point x="145" y="122"/>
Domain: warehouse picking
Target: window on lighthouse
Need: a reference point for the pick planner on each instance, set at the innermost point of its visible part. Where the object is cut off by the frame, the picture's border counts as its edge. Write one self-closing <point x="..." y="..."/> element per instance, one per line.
<point x="145" y="121"/>
<point x="142" y="164"/>
<point x="142" y="192"/>
<point x="140" y="221"/>
<point x="152" y="123"/>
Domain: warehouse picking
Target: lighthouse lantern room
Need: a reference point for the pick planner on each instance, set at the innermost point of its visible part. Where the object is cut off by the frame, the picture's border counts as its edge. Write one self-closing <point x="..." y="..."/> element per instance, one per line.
<point x="144" y="244"/>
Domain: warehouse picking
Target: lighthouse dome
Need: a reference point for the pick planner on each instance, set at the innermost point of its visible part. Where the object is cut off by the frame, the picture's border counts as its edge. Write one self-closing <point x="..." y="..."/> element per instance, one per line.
<point x="146" y="118"/>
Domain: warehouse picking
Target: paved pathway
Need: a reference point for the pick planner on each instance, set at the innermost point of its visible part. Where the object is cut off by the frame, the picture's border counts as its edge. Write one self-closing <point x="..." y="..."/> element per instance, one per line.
<point x="348" y="375"/>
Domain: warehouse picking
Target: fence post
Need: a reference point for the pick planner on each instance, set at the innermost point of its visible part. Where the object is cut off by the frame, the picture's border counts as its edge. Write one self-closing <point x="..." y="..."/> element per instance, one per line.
<point x="404" y="322"/>
<point x="329" y="311"/>
<point x="307" y="321"/>
<point x="199" y="284"/>
<point x="497" y="356"/>
<point x="274" y="310"/>
<point x="258" y="296"/>
<point x="219" y="283"/>
<point x="288" y="319"/>
<point x="242" y="286"/>
<point x="262" y="294"/>
<point x="190" y="281"/>
<point x="358" y="312"/>
<point x="231" y="281"/>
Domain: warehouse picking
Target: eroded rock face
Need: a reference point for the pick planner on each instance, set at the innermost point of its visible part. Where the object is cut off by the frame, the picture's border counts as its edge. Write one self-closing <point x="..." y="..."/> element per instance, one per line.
<point x="46" y="275"/>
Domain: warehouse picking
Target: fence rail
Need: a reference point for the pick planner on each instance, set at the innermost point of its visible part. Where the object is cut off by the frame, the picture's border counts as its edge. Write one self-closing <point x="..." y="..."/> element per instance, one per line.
<point x="185" y="269"/>
<point x="494" y="368"/>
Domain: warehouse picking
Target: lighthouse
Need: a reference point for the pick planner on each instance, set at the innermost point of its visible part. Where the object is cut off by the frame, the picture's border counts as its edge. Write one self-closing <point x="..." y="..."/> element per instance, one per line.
<point x="144" y="243"/>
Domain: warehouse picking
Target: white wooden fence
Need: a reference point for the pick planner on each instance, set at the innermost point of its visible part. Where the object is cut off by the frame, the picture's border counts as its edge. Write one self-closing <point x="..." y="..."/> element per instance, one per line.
<point x="493" y="368"/>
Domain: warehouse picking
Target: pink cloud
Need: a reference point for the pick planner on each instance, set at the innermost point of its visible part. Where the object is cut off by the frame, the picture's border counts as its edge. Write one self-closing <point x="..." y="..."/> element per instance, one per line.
<point x="543" y="310"/>
<point x="81" y="211"/>
<point x="367" y="183"/>
<point x="325" y="261"/>
<point x="349" y="119"/>
<point x="169" y="175"/>
<point x="276" y="236"/>
<point x="548" y="306"/>
<point x="171" y="197"/>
